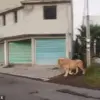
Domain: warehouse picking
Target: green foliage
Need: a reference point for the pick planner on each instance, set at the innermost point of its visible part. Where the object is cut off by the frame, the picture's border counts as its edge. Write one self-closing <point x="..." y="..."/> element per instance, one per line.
<point x="94" y="34"/>
<point x="94" y="31"/>
<point x="92" y="76"/>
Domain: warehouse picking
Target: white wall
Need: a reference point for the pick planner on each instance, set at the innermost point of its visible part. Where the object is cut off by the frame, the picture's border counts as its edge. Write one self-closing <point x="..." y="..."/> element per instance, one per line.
<point x="33" y="22"/>
<point x="4" y="4"/>
<point x="36" y="23"/>
<point x="20" y="15"/>
<point x="9" y="18"/>
<point x="95" y="19"/>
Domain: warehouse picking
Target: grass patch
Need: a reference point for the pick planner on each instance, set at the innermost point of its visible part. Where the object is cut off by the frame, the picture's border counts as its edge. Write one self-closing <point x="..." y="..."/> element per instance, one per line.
<point x="92" y="76"/>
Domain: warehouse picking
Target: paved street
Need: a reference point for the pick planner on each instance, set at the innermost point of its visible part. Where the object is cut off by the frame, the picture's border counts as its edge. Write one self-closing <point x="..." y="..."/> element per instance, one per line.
<point x="17" y="88"/>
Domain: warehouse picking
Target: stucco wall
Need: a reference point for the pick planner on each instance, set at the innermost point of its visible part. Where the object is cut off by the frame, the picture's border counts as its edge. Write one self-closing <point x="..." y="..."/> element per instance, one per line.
<point x="9" y="18"/>
<point x="95" y="20"/>
<point x="20" y="15"/>
<point x="32" y="22"/>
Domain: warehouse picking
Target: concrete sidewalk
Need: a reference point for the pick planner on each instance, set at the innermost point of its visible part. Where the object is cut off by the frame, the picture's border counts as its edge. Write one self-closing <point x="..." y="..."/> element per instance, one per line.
<point x="38" y="72"/>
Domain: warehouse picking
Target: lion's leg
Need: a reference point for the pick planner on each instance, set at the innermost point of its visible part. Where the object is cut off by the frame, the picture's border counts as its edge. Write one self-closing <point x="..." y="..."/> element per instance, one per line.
<point x="66" y="73"/>
<point x="76" y="71"/>
<point x="70" y="72"/>
<point x="83" y="70"/>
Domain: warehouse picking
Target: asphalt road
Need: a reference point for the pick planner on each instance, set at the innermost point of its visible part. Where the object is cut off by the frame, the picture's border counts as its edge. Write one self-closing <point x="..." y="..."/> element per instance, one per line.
<point x="17" y="88"/>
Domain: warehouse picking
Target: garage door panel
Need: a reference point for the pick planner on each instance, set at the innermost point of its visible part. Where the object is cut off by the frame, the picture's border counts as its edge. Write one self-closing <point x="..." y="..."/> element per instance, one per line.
<point x="49" y="50"/>
<point x="20" y="52"/>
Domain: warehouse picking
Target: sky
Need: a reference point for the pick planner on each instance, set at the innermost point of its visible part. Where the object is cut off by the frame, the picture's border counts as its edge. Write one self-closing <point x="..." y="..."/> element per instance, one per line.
<point x="94" y="8"/>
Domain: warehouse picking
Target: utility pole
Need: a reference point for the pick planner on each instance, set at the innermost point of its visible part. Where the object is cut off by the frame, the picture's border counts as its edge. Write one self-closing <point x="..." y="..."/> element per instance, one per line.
<point x="88" y="38"/>
<point x="72" y="32"/>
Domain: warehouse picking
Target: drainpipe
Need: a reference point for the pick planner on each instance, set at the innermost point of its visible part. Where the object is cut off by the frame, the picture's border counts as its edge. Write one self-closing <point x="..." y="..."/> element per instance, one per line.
<point x="67" y="34"/>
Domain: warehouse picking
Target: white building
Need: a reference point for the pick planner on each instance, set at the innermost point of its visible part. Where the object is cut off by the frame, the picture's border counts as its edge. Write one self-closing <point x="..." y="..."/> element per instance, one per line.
<point x="38" y="32"/>
<point x="95" y="19"/>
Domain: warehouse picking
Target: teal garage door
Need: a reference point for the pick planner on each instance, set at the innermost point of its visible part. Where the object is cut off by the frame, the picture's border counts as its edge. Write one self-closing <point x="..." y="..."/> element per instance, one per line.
<point x="2" y="53"/>
<point x="20" y="52"/>
<point x="49" y="50"/>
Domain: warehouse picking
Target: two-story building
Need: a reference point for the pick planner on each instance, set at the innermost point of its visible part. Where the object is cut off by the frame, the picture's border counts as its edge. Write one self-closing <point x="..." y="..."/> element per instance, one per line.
<point x="38" y="32"/>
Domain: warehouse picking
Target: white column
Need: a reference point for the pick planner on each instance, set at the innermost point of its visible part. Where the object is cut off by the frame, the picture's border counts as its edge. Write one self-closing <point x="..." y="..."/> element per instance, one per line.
<point x="6" y="53"/>
<point x="68" y="42"/>
<point x="33" y="50"/>
<point x="67" y="46"/>
<point x="70" y="45"/>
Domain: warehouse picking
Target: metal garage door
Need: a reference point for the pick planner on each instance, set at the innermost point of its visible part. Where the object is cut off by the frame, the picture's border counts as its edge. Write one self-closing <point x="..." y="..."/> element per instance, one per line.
<point x="20" y="52"/>
<point x="49" y="50"/>
<point x="2" y="53"/>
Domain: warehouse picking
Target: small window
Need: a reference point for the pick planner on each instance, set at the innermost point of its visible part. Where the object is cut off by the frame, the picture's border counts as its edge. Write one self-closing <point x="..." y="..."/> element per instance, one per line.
<point x="4" y="20"/>
<point x="15" y="17"/>
<point x="1" y="20"/>
<point x="49" y="12"/>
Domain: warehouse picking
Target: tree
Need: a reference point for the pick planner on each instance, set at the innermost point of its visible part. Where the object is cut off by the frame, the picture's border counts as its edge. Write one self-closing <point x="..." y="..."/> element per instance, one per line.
<point x="94" y="31"/>
<point x="94" y="34"/>
<point x="80" y="48"/>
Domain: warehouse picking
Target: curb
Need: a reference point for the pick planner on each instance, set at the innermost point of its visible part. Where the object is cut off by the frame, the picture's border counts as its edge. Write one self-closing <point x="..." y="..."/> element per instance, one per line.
<point x="37" y="79"/>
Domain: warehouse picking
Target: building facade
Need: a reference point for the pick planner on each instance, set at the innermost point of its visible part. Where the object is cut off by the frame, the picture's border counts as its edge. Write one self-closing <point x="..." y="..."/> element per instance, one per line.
<point x="38" y="32"/>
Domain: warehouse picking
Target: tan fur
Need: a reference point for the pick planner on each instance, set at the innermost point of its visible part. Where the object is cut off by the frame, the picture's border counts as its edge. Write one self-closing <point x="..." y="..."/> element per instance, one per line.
<point x="68" y="65"/>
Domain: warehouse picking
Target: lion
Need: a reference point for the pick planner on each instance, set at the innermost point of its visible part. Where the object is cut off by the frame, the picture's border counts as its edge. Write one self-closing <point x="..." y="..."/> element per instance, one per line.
<point x="68" y="65"/>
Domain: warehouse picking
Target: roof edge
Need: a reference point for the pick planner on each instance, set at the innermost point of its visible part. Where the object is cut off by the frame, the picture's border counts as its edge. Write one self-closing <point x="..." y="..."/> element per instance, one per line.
<point x="5" y="11"/>
<point x="29" y="35"/>
<point x="46" y="2"/>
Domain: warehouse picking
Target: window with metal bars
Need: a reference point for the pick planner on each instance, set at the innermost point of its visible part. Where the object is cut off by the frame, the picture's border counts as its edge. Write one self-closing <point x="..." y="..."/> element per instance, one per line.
<point x="50" y="12"/>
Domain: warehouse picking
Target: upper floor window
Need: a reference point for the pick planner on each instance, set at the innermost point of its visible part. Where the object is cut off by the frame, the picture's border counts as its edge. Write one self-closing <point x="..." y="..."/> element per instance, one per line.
<point x="1" y="20"/>
<point x="4" y="20"/>
<point x="50" y="12"/>
<point x="15" y="17"/>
